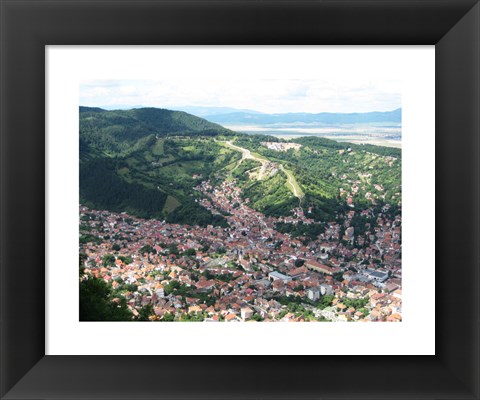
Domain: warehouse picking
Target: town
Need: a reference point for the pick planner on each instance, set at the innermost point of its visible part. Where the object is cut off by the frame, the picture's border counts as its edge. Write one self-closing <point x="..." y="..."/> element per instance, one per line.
<point x="249" y="271"/>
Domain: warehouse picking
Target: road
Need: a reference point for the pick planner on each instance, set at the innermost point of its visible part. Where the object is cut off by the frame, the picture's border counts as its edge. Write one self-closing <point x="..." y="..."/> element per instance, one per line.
<point x="245" y="153"/>
<point x="292" y="182"/>
<point x="290" y="178"/>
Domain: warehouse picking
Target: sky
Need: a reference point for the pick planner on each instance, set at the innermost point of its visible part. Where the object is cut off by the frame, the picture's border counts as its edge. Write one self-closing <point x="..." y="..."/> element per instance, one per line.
<point x="263" y="95"/>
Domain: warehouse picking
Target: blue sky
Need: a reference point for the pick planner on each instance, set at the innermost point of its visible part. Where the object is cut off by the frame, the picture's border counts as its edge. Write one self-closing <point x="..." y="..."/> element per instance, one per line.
<point x="264" y="95"/>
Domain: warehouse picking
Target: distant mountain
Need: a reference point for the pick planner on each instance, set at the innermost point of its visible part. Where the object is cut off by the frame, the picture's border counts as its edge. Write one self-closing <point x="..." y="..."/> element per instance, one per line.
<point x="246" y="118"/>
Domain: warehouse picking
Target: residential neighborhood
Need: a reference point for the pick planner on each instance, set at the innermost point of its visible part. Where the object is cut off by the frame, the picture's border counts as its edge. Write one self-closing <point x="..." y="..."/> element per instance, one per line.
<point x="248" y="271"/>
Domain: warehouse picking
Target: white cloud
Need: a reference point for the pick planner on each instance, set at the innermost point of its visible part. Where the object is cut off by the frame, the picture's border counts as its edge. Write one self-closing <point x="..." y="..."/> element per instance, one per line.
<point x="342" y="79"/>
<point x="271" y="96"/>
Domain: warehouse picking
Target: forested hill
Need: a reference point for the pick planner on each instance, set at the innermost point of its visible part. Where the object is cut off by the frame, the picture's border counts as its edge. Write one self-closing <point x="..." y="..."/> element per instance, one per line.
<point x="147" y="161"/>
<point x="123" y="131"/>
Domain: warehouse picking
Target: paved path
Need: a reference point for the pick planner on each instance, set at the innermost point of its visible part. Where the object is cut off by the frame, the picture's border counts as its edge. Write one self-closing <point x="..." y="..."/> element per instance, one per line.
<point x="290" y="178"/>
<point x="246" y="153"/>
<point x="292" y="182"/>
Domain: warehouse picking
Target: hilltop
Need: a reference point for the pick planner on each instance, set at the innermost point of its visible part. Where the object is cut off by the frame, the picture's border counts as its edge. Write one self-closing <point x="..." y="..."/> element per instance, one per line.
<point x="125" y="131"/>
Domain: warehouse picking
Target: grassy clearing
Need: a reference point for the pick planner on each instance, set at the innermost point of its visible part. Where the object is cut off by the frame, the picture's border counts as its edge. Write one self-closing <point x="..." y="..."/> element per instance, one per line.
<point x="148" y="156"/>
<point x="158" y="148"/>
<point x="166" y="159"/>
<point x="186" y="168"/>
<point x="132" y="162"/>
<point x="123" y="171"/>
<point x="292" y="184"/>
<point x="170" y="204"/>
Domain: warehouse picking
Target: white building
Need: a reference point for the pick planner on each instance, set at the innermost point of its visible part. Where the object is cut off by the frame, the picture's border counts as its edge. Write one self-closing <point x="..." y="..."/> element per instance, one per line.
<point x="313" y="294"/>
<point x="277" y="275"/>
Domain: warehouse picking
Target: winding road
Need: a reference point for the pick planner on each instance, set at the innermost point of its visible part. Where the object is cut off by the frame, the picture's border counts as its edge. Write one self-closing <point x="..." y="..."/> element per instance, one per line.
<point x="247" y="154"/>
<point x="292" y="182"/>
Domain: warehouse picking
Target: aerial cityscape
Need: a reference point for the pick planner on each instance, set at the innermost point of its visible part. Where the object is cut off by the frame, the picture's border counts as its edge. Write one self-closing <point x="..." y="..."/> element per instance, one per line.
<point x="199" y="218"/>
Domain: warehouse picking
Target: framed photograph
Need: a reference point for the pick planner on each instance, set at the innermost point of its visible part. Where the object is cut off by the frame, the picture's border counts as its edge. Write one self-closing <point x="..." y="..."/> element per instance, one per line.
<point x="240" y="162"/>
<point x="268" y="212"/>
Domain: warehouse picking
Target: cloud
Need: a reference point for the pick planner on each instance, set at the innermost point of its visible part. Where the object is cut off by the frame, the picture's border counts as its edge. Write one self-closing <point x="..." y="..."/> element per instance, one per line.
<point x="265" y="95"/>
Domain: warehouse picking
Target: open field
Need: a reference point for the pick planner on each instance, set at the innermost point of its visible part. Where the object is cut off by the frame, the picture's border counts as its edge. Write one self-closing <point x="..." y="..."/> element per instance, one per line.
<point x="170" y="204"/>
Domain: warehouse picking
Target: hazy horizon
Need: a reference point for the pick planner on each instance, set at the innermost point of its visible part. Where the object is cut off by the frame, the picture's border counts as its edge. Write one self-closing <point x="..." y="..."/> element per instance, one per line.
<point x="220" y="110"/>
<point x="269" y="96"/>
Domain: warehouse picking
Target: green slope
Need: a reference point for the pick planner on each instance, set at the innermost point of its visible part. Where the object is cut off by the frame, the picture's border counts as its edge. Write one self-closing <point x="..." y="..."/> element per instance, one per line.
<point x="144" y="161"/>
<point x="328" y="173"/>
<point x="121" y="132"/>
<point x="147" y="162"/>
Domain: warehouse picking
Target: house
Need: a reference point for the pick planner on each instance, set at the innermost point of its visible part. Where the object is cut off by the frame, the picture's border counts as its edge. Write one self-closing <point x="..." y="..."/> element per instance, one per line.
<point x="288" y="317"/>
<point x="316" y="266"/>
<point x="205" y="286"/>
<point x="274" y="276"/>
<point x="391" y="287"/>
<point x="159" y="290"/>
<point x="246" y="313"/>
<point x="348" y="275"/>
<point x="313" y="293"/>
<point x="232" y="318"/>
<point x="326" y="289"/>
<point x="298" y="273"/>
<point x="343" y="317"/>
<point x="278" y="286"/>
<point x="194" y="309"/>
<point x="378" y="276"/>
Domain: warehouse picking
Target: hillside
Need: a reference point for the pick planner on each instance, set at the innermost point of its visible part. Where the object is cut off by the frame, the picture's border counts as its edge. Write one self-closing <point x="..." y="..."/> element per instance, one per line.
<point x="333" y="177"/>
<point x="147" y="162"/>
<point x="143" y="161"/>
<point x="125" y="131"/>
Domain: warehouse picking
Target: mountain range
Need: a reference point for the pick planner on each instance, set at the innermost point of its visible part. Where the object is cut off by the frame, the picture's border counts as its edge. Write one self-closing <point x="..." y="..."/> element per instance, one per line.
<point x="246" y="118"/>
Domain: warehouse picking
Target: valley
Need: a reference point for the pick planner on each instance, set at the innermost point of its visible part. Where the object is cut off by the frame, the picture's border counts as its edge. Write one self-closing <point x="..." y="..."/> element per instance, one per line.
<point x="185" y="220"/>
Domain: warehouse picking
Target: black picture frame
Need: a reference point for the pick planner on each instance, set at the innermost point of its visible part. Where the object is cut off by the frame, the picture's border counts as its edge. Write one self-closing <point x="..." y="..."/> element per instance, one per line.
<point x="453" y="26"/>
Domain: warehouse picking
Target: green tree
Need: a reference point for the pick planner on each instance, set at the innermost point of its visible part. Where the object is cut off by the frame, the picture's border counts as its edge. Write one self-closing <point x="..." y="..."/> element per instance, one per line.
<point x="168" y="317"/>
<point x="299" y="262"/>
<point x="96" y="302"/>
<point x="338" y="276"/>
<point x="190" y="252"/>
<point x="145" y="312"/>
<point x="147" y="249"/>
<point x="108" y="259"/>
<point x="125" y="259"/>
